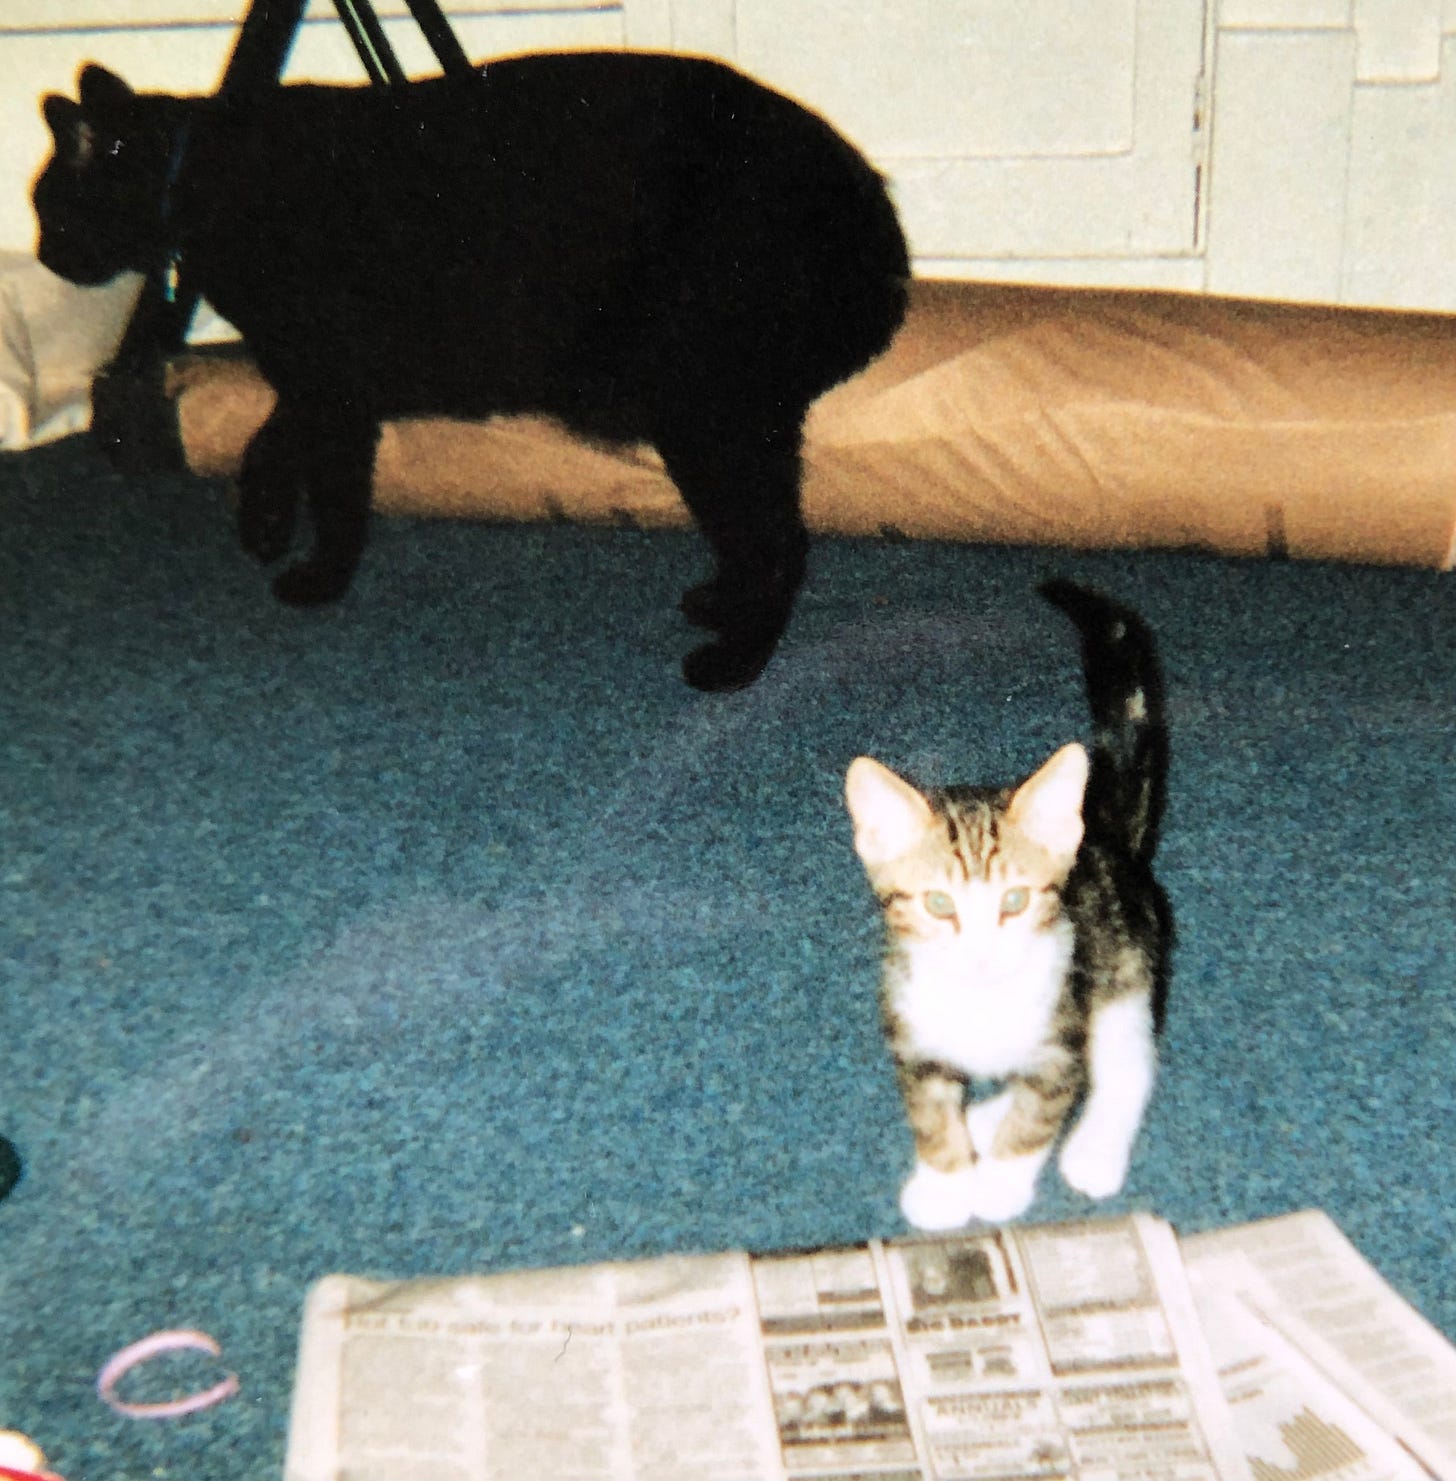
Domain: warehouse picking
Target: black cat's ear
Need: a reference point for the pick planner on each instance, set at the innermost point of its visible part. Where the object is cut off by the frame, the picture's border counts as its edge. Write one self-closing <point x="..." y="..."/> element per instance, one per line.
<point x="104" y="96"/>
<point x="75" y="138"/>
<point x="62" y="115"/>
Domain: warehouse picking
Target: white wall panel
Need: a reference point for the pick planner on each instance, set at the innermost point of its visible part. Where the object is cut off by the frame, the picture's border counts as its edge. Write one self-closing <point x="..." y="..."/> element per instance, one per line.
<point x="958" y="73"/>
<point x="1297" y="15"/>
<point x="112" y="15"/>
<point x="1400" y="219"/>
<point x="1281" y="143"/>
<point x="1398" y="42"/>
<point x="1173" y="274"/>
<point x="1011" y="129"/>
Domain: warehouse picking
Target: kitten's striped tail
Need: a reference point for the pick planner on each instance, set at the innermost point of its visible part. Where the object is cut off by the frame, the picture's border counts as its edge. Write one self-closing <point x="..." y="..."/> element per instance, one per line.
<point x="1130" y="738"/>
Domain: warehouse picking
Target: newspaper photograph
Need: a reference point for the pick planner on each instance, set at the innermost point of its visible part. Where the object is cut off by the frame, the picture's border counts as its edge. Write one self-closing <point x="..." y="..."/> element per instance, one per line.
<point x="1052" y="1351"/>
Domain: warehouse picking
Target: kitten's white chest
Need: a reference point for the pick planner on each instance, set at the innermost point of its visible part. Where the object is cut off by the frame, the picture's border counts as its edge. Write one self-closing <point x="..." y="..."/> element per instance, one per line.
<point x="989" y="1026"/>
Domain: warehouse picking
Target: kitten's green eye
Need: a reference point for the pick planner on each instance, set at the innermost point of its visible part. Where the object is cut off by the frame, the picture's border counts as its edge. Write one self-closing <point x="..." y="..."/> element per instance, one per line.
<point x="940" y="905"/>
<point x="1013" y="902"/>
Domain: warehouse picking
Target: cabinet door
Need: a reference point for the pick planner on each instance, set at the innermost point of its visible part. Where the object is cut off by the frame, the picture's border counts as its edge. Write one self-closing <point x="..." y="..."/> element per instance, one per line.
<point x="1032" y="129"/>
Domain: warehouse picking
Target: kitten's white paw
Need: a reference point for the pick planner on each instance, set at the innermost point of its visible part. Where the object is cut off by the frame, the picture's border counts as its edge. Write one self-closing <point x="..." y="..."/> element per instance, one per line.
<point x="1094" y="1165"/>
<point x="935" y="1200"/>
<point x="1003" y="1187"/>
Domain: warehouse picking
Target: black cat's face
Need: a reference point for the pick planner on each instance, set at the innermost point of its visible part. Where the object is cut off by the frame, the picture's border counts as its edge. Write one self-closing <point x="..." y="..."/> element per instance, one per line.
<point x="97" y="197"/>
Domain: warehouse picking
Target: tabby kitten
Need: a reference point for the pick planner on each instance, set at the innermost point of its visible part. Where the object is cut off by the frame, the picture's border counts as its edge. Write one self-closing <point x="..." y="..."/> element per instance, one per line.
<point x="1027" y="943"/>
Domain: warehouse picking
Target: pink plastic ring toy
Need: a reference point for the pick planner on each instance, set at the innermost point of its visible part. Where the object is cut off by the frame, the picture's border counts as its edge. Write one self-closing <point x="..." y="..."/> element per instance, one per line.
<point x="140" y="1352"/>
<point x="9" y="1473"/>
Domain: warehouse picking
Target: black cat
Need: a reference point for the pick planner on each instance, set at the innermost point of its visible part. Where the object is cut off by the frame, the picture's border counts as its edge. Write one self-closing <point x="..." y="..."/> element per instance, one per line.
<point x="647" y="247"/>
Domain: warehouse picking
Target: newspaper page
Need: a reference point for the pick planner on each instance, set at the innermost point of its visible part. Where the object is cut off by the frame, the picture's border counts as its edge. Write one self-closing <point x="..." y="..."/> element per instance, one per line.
<point x="645" y="1370"/>
<point x="1327" y="1300"/>
<point x="1040" y="1352"/>
<point x="1043" y="1351"/>
<point x="1292" y="1421"/>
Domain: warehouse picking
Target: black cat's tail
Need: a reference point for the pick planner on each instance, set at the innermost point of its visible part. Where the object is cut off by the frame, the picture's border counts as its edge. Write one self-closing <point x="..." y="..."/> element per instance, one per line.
<point x="1125" y="791"/>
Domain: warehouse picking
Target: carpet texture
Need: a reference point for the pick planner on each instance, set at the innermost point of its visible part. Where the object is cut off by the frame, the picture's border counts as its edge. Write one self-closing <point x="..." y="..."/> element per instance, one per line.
<point x="448" y="931"/>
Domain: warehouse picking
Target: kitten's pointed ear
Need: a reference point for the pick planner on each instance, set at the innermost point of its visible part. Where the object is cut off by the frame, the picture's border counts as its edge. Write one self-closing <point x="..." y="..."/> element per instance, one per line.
<point x="890" y="815"/>
<point x="1047" y="807"/>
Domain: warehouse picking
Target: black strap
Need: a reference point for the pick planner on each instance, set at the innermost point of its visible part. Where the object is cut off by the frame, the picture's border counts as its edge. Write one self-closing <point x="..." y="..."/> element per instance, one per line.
<point x="442" y="40"/>
<point x="265" y="38"/>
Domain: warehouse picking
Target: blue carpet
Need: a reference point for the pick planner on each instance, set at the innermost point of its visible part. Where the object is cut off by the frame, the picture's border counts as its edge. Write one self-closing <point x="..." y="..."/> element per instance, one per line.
<point x="449" y="931"/>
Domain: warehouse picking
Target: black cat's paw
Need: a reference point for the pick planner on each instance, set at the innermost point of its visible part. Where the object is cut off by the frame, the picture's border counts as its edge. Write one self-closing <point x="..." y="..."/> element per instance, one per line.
<point x="311" y="583"/>
<point x="705" y="605"/>
<point x="266" y="522"/>
<point x="719" y="668"/>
